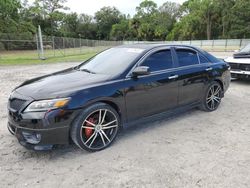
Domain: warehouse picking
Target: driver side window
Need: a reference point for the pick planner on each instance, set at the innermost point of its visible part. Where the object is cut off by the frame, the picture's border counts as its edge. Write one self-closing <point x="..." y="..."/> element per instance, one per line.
<point x="158" y="61"/>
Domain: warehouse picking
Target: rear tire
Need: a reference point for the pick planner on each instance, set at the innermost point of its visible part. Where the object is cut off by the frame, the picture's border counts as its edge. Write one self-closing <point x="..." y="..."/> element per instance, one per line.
<point x="212" y="97"/>
<point x="96" y="127"/>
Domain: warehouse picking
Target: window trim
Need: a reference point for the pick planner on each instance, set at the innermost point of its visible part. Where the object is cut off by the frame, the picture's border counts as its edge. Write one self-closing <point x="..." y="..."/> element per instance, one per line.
<point x="145" y="56"/>
<point x="174" y="58"/>
<point x="185" y="48"/>
<point x="200" y="54"/>
<point x="165" y="62"/>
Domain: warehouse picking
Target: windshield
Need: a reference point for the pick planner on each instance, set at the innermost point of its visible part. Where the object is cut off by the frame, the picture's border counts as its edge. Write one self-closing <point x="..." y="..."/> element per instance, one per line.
<point x="112" y="61"/>
<point x="246" y="49"/>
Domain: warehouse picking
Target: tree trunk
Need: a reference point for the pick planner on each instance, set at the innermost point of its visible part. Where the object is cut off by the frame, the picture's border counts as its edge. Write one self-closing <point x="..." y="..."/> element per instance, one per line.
<point x="209" y="27"/>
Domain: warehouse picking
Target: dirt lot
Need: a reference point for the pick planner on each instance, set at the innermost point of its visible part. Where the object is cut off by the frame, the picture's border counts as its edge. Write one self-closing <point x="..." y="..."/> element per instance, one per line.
<point x="195" y="149"/>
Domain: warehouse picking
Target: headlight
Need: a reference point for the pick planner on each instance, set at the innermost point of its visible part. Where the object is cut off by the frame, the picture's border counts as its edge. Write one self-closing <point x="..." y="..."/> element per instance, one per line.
<point x="45" y="105"/>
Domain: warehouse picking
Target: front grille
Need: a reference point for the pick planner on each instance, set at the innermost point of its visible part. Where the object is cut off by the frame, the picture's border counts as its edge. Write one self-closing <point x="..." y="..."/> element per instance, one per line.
<point x="245" y="67"/>
<point x="234" y="65"/>
<point x="238" y="66"/>
<point x="16" y="104"/>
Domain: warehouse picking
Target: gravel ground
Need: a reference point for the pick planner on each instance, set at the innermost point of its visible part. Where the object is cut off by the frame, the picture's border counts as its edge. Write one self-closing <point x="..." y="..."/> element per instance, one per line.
<point x="194" y="149"/>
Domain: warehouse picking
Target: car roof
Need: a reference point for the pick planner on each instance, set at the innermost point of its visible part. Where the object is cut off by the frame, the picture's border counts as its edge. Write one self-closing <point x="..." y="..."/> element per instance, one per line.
<point x="148" y="46"/>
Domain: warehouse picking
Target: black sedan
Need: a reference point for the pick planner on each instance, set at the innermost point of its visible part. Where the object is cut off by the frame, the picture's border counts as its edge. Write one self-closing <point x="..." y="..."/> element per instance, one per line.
<point x="89" y="103"/>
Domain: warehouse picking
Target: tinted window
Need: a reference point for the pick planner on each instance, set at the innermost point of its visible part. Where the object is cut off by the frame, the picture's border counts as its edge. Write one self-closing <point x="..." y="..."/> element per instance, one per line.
<point x="159" y="61"/>
<point x="210" y="57"/>
<point x="187" y="57"/>
<point x="112" y="61"/>
<point x="203" y="59"/>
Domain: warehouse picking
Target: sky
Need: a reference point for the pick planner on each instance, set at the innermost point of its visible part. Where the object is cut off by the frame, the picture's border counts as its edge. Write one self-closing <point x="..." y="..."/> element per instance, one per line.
<point x="92" y="6"/>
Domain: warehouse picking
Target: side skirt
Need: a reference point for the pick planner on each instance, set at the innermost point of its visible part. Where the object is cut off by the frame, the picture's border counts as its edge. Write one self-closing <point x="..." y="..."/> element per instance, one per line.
<point x="162" y="115"/>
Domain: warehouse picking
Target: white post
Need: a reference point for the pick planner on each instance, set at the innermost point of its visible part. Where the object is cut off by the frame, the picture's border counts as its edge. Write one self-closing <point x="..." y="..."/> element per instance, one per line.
<point x="37" y="46"/>
<point x="80" y="43"/>
<point x="41" y="43"/>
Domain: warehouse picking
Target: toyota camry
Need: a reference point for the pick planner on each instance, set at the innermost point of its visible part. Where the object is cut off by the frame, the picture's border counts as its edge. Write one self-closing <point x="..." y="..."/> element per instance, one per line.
<point x="89" y="103"/>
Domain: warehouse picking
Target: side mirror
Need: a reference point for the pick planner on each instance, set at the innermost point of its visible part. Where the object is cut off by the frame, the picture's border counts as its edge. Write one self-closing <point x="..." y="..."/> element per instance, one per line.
<point x="141" y="70"/>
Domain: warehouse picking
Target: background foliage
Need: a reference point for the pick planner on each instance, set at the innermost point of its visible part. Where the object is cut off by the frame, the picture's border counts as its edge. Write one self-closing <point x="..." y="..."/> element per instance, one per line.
<point x="194" y="19"/>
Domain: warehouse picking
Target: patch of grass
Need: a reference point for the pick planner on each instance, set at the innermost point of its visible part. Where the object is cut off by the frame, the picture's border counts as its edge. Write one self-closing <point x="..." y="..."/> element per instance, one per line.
<point x="31" y="57"/>
<point x="24" y="61"/>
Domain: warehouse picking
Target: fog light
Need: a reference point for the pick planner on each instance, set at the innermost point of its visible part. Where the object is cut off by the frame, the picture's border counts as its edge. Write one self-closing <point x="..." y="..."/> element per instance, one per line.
<point x="32" y="138"/>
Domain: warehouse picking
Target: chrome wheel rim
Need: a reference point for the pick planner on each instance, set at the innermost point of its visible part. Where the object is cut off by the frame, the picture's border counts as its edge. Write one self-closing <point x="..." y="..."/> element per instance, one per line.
<point x="213" y="97"/>
<point x="99" y="129"/>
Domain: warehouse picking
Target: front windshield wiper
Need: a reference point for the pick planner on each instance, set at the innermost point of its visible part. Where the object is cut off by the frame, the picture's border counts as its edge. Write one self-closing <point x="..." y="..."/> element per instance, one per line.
<point x="87" y="70"/>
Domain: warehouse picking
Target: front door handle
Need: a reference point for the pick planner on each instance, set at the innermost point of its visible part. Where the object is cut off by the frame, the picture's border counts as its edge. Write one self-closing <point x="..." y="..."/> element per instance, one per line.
<point x="173" y="77"/>
<point x="209" y="69"/>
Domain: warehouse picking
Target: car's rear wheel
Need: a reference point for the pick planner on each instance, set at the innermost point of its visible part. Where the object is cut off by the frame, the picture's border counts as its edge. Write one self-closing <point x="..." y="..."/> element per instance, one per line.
<point x="96" y="127"/>
<point x="212" y="97"/>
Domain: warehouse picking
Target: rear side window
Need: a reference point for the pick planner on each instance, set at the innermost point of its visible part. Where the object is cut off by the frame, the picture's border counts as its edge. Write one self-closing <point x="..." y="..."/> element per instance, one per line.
<point x="159" y="61"/>
<point x="187" y="57"/>
<point x="211" y="57"/>
<point x="203" y="59"/>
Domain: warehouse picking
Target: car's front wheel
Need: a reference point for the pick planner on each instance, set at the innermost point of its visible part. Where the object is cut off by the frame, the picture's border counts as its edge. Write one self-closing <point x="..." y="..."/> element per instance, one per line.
<point x="212" y="97"/>
<point x="96" y="127"/>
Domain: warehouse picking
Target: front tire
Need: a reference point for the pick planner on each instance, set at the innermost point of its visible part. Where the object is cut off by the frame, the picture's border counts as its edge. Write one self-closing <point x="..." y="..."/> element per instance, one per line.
<point x="212" y="97"/>
<point x="96" y="127"/>
<point x="11" y="130"/>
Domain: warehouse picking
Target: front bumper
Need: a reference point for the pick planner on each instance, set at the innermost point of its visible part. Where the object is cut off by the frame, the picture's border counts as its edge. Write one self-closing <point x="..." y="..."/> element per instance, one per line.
<point x="240" y="74"/>
<point x="41" y="130"/>
<point x="240" y="70"/>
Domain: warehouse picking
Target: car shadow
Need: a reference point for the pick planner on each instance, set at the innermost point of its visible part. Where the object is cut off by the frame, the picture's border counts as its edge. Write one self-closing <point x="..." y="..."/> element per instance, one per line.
<point x="154" y="123"/>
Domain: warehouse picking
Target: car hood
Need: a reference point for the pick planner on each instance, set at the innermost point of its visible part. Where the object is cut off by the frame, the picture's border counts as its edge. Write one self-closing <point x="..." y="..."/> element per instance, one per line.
<point x="59" y="84"/>
<point x="242" y="55"/>
<point x="237" y="60"/>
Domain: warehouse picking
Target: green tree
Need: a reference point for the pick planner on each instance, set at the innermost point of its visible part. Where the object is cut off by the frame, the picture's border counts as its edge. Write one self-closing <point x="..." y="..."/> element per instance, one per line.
<point x="189" y="28"/>
<point x="105" y="18"/>
<point x="240" y="20"/>
<point x="199" y="17"/>
<point x="146" y="9"/>
<point x="194" y="19"/>
<point x="75" y="25"/>
<point x="9" y="15"/>
<point x="70" y="25"/>
<point x="206" y="11"/>
<point x="224" y="7"/>
<point x="121" y="31"/>
<point x="165" y="19"/>
<point x="145" y="16"/>
<point x="48" y="14"/>
<point x="87" y="27"/>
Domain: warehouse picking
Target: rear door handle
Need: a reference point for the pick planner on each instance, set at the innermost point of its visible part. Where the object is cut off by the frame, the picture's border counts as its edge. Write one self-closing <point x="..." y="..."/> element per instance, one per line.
<point x="209" y="69"/>
<point x="173" y="77"/>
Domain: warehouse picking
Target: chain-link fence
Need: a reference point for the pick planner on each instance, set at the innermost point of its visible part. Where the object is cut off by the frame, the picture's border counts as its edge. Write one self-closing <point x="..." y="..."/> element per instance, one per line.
<point x="23" y="41"/>
<point x="26" y="46"/>
<point x="62" y="46"/>
<point x="218" y="45"/>
<point x="226" y="45"/>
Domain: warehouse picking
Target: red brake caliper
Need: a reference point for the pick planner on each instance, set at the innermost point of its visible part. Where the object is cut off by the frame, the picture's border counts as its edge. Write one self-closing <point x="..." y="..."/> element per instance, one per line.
<point x="89" y="132"/>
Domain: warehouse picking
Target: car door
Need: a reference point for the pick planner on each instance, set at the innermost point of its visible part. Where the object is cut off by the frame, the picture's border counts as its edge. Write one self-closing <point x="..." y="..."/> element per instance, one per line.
<point x="192" y="75"/>
<point x="156" y="92"/>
